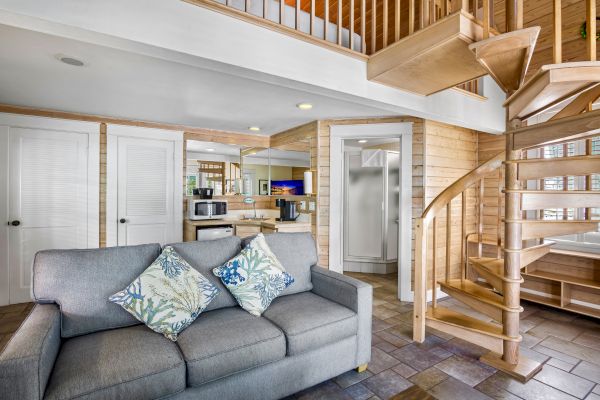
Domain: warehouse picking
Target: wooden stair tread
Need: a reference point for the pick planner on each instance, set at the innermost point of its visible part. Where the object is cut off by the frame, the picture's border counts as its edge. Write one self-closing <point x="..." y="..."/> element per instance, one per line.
<point x="538" y="168"/>
<point x="550" y="85"/>
<point x="539" y="229"/>
<point x="506" y="57"/>
<point x="591" y="256"/>
<point x="543" y="199"/>
<point x="564" y="278"/>
<point x="455" y="318"/>
<point x="413" y="63"/>
<point x="477" y="292"/>
<point x="557" y="131"/>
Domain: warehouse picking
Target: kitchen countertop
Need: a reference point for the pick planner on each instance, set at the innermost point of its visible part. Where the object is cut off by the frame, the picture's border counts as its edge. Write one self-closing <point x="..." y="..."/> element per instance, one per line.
<point x="268" y="223"/>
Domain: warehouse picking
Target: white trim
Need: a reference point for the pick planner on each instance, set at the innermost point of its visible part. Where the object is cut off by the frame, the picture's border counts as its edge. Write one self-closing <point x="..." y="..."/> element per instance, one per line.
<point x="403" y="131"/>
<point x="46" y="123"/>
<point x="115" y="131"/>
<point x="4" y="217"/>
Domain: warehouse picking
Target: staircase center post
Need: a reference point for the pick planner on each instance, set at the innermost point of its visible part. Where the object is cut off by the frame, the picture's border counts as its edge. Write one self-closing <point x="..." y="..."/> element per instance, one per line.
<point x="512" y="263"/>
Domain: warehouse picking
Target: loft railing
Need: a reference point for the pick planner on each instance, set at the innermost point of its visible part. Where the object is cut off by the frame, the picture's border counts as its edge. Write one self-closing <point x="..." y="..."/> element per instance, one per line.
<point x="426" y="256"/>
<point x="361" y="27"/>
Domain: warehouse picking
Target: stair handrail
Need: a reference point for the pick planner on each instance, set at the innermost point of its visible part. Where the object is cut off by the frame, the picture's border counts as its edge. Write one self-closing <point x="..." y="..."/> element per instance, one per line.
<point x="444" y="199"/>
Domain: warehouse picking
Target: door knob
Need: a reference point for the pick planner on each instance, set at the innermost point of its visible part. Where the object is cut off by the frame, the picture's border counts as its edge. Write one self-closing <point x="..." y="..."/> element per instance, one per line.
<point x="15" y="223"/>
<point x="122" y="220"/>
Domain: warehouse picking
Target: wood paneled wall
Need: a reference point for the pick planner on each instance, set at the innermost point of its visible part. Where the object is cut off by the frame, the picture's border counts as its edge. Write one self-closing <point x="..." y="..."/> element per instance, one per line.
<point x="102" y="181"/>
<point x="450" y="153"/>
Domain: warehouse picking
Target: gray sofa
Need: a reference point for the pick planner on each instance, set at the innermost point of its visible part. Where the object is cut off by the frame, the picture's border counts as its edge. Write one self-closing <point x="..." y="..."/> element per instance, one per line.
<point x="75" y="344"/>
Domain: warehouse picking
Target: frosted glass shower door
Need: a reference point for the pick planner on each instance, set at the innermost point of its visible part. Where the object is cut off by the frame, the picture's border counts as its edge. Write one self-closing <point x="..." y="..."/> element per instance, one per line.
<point x="364" y="210"/>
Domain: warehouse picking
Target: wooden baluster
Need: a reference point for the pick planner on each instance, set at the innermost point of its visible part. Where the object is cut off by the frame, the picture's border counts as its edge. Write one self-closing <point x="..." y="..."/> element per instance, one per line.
<point x="228" y="2"/>
<point x="326" y="19"/>
<point x="373" y="26"/>
<point x="565" y="180"/>
<point x="339" y="23"/>
<point x="486" y="19"/>
<point x="463" y="232"/>
<point x="424" y="13"/>
<point x="431" y="11"/>
<point x="420" y="280"/>
<point x="433" y="269"/>
<point x="298" y="15"/>
<point x="282" y="12"/>
<point x="312" y="17"/>
<point x="590" y="11"/>
<point x="363" y="25"/>
<point x="499" y="216"/>
<point x="385" y="23"/>
<point x="480" y="218"/>
<point x="465" y="5"/>
<point x="557" y="32"/>
<point x="448" y="238"/>
<point x="588" y="178"/>
<point x="411" y="16"/>
<point x="351" y="24"/>
<point x="266" y="9"/>
<point x="247" y="5"/>
<point x="397" y="6"/>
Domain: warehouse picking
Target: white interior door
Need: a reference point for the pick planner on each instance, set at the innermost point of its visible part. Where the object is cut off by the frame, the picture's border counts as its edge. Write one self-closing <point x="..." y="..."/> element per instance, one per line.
<point x="48" y="199"/>
<point x="145" y="206"/>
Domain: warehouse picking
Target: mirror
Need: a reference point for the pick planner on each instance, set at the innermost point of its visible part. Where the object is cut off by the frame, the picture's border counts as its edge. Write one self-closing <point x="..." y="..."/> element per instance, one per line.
<point x="232" y="169"/>
<point x="289" y="162"/>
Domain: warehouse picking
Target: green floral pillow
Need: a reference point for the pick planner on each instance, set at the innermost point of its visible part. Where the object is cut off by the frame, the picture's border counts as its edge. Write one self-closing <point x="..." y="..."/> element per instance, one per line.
<point x="254" y="277"/>
<point x="168" y="296"/>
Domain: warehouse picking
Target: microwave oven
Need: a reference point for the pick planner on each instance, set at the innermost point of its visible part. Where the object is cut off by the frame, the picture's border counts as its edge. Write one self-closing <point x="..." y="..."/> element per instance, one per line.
<point x="206" y="209"/>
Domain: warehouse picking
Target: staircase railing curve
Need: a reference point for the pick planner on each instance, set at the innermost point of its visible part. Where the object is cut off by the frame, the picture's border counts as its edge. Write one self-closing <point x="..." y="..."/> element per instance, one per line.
<point x="428" y="218"/>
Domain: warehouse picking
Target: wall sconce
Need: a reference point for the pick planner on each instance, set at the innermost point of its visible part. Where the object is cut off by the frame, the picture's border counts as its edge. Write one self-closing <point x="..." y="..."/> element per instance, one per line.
<point x="308" y="185"/>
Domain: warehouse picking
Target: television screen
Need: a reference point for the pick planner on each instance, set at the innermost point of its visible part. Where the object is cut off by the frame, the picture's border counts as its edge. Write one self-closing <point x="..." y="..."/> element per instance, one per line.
<point x="287" y="188"/>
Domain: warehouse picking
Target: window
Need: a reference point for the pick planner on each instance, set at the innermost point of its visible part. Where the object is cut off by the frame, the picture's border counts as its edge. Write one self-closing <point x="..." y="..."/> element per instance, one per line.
<point x="581" y="242"/>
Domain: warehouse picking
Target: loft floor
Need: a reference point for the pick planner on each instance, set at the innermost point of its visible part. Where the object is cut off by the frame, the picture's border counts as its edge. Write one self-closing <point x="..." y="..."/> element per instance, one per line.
<point x="445" y="367"/>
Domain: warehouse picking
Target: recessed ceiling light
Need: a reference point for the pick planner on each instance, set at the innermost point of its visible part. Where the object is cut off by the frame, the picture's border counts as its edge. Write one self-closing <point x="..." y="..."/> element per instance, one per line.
<point x="70" y="60"/>
<point x="304" y="106"/>
<point x="254" y="128"/>
<point x="363" y="141"/>
<point x="210" y="149"/>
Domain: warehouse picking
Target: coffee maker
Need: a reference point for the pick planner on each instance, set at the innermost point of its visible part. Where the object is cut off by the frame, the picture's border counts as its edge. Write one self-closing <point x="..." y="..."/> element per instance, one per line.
<point x="287" y="210"/>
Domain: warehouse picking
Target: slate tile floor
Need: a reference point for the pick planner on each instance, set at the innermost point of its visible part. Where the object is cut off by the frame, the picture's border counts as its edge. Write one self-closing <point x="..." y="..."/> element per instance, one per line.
<point x="445" y="367"/>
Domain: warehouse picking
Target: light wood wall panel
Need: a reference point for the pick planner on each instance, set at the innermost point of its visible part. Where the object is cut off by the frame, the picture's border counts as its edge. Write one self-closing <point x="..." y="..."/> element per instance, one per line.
<point x="102" y="209"/>
<point x="450" y="153"/>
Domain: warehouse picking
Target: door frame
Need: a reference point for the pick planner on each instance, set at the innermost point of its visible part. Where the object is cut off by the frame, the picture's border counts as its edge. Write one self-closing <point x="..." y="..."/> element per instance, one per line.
<point x="92" y="130"/>
<point x="113" y="132"/>
<point x="403" y="131"/>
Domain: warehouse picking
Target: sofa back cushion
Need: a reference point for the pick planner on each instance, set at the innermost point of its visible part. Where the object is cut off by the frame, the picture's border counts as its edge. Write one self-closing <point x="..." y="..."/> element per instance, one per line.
<point x="297" y="252"/>
<point x="206" y="255"/>
<point x="80" y="282"/>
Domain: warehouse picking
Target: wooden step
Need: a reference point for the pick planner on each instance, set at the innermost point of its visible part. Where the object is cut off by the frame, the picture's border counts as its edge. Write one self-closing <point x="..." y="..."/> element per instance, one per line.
<point x="492" y="270"/>
<point x="485" y="334"/>
<point x="506" y="57"/>
<point x="477" y="297"/>
<point x="432" y="59"/>
<point x="560" y="166"/>
<point x="533" y="253"/>
<point x="557" y="131"/>
<point x="552" y="84"/>
<point x="539" y="229"/>
<point x="543" y="199"/>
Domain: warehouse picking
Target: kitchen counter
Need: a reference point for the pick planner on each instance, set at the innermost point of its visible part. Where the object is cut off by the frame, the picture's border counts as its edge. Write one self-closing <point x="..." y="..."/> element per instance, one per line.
<point x="245" y="227"/>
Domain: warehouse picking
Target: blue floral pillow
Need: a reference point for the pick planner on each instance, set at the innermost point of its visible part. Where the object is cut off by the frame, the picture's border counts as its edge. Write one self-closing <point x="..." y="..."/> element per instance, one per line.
<point x="168" y="296"/>
<point x="254" y="277"/>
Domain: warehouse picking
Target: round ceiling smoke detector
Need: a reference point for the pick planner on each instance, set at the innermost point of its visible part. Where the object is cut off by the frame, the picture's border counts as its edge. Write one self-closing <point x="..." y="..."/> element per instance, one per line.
<point x="70" y="60"/>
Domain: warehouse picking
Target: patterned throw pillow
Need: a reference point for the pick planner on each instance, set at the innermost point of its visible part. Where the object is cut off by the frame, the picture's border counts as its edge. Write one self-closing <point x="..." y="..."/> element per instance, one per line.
<point x="168" y="296"/>
<point x="254" y="277"/>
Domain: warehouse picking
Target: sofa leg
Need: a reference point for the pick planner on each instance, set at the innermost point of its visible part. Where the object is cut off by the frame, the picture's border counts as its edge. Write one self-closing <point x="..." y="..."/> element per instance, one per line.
<point x="361" y="368"/>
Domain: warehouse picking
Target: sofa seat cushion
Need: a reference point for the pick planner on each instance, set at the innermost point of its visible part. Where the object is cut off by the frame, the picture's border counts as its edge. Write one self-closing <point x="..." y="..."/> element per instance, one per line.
<point x="226" y="341"/>
<point x="310" y="321"/>
<point x="124" y="363"/>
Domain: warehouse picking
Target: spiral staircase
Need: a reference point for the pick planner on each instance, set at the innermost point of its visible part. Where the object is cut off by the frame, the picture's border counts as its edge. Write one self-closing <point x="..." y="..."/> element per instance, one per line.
<point x="570" y="86"/>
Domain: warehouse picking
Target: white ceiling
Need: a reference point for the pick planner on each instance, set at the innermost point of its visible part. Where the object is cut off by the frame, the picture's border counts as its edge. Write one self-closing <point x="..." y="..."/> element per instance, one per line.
<point x="124" y="84"/>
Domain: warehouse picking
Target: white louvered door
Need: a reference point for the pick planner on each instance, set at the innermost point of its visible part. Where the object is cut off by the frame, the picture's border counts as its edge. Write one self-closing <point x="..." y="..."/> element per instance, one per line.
<point x="145" y="207"/>
<point x="48" y="199"/>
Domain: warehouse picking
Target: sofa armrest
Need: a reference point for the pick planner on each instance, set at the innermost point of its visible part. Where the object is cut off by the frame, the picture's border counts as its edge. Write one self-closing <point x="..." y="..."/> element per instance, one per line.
<point x="28" y="358"/>
<point x="351" y="293"/>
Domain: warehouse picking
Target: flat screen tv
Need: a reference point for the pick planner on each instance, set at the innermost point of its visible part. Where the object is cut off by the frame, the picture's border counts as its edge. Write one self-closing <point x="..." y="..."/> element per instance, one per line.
<point x="287" y="188"/>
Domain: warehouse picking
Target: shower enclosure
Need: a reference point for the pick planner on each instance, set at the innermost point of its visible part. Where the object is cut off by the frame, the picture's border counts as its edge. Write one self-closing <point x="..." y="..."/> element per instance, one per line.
<point x="371" y="211"/>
